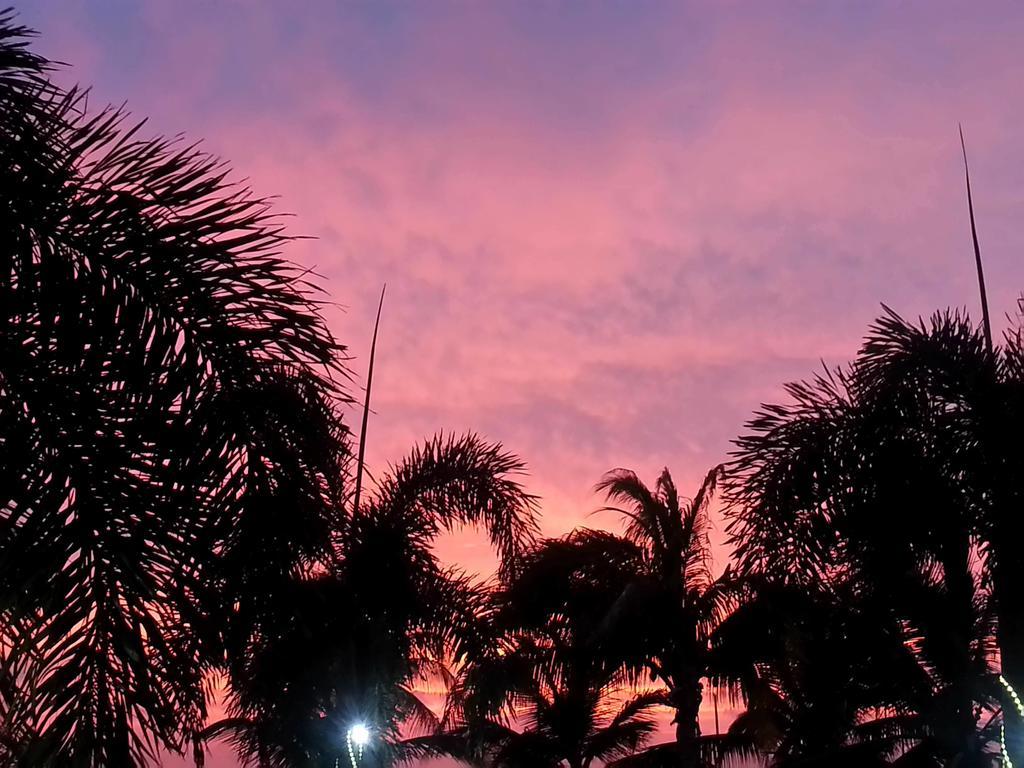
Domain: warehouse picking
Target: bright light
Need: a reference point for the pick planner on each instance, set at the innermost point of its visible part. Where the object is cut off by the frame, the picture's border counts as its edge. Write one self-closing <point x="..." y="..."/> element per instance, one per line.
<point x="359" y="734"/>
<point x="1007" y="763"/>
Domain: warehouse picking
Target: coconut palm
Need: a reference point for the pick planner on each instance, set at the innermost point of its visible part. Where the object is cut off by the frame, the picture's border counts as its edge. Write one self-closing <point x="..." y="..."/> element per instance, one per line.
<point x="811" y="682"/>
<point x="576" y="721"/>
<point x="671" y="603"/>
<point x="899" y="474"/>
<point x="349" y="644"/>
<point x="831" y="676"/>
<point x="541" y="691"/>
<point x="167" y="386"/>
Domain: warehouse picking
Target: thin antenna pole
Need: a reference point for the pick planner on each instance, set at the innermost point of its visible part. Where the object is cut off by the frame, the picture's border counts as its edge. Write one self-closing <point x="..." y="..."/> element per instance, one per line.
<point x="366" y="407"/>
<point x="714" y="697"/>
<point x="986" y="325"/>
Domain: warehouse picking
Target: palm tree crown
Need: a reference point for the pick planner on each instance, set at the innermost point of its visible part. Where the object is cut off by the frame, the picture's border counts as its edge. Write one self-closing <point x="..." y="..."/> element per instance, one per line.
<point x="671" y="606"/>
<point x="540" y="691"/>
<point x="893" y="476"/>
<point x="167" y="384"/>
<point x="351" y="642"/>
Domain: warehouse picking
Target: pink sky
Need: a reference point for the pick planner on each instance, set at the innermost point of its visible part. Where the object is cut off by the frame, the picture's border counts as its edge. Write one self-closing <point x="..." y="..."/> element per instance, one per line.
<point x="608" y="230"/>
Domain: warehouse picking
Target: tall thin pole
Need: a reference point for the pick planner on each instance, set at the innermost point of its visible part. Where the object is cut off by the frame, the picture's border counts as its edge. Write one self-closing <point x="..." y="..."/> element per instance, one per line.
<point x="714" y="697"/>
<point x="986" y="325"/>
<point x="366" y="407"/>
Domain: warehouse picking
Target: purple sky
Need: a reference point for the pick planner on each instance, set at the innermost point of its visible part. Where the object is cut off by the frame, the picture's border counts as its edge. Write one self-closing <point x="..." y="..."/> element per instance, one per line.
<point x="609" y="230"/>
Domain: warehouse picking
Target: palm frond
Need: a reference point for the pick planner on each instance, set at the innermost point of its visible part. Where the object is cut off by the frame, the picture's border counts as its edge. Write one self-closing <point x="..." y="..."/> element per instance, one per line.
<point x="415" y="713"/>
<point x="147" y="314"/>
<point x="711" y="751"/>
<point x="451" y="481"/>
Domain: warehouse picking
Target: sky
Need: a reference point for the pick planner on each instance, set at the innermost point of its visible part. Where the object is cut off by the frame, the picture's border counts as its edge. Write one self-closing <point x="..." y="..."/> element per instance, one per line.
<point x="609" y="230"/>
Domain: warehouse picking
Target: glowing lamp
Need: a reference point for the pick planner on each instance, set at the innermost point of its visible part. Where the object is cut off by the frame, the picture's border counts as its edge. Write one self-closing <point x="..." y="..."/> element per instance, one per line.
<point x="357" y="738"/>
<point x="359" y="734"/>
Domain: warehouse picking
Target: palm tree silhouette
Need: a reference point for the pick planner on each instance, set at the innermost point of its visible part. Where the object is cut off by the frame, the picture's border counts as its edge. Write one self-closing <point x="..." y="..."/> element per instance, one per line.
<point x="900" y="474"/>
<point x="831" y="677"/>
<point x="539" y="691"/>
<point x="349" y="644"/>
<point x="666" y="616"/>
<point x="169" y="433"/>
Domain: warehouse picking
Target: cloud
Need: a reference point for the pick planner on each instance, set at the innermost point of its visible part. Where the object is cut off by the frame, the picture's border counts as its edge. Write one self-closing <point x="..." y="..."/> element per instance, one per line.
<point x="594" y="223"/>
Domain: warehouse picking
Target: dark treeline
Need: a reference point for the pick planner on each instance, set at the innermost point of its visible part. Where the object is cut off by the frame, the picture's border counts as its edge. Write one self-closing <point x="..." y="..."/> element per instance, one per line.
<point x="177" y="484"/>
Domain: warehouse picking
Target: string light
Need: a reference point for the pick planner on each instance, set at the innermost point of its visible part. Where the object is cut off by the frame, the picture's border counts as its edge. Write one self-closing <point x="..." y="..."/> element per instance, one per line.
<point x="1007" y="762"/>
<point x="356" y="739"/>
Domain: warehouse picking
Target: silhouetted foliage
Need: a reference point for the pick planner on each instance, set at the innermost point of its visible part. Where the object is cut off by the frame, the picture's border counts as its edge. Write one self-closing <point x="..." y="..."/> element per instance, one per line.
<point x="672" y="604"/>
<point x="540" y="691"/>
<point x="830" y="678"/>
<point x="588" y="617"/>
<point x="899" y="476"/>
<point x="350" y="644"/>
<point x="168" y="434"/>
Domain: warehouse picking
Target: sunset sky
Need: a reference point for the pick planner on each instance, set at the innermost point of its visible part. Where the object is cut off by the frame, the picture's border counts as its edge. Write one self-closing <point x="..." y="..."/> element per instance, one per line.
<point x="609" y="230"/>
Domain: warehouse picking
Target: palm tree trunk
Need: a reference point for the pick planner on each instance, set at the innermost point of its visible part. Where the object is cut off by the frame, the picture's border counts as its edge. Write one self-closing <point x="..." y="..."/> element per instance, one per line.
<point x="686" y="696"/>
<point x="959" y="581"/>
